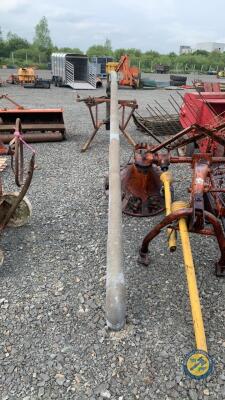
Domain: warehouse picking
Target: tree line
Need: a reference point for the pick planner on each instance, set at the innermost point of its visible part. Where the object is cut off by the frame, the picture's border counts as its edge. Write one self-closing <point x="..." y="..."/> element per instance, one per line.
<point x="17" y="51"/>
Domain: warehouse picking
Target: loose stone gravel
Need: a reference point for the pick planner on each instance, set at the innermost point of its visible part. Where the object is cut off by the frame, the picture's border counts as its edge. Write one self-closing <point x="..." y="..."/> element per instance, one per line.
<point x="53" y="338"/>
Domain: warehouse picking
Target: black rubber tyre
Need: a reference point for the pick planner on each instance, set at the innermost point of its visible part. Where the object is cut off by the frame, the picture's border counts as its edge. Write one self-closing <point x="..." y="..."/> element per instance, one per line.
<point x="178" y="78"/>
<point x="98" y="84"/>
<point x="177" y="83"/>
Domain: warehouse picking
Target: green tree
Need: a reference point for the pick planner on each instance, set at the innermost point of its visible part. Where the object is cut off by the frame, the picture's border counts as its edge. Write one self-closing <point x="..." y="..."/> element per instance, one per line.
<point x="118" y="53"/>
<point x="108" y="46"/>
<point x="42" y="39"/>
<point x="98" y="50"/>
<point x="14" y="42"/>
<point x="172" y="54"/>
<point x="134" y="52"/>
<point x="152" y="53"/>
<point x="201" y="53"/>
<point x="74" y="50"/>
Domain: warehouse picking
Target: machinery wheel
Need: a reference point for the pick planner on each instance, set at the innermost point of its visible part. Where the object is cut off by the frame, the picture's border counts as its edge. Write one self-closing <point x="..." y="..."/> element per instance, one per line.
<point x="178" y="78"/>
<point x="23" y="212"/>
<point x="176" y="83"/>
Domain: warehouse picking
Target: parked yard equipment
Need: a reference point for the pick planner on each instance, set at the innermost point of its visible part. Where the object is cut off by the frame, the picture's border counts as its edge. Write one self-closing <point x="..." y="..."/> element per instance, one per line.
<point x="127" y="75"/>
<point x="203" y="214"/>
<point x="198" y="111"/>
<point x="178" y="80"/>
<point x="201" y="86"/>
<point x="39" y="125"/>
<point x="94" y="102"/>
<point x="221" y="74"/>
<point x="159" y="122"/>
<point x="203" y="114"/>
<point x="73" y="70"/>
<point x="15" y="208"/>
<point x="141" y="189"/>
<point x="38" y="84"/>
<point x="148" y="179"/>
<point x="28" y="78"/>
<point x="101" y="64"/>
<point x="24" y="75"/>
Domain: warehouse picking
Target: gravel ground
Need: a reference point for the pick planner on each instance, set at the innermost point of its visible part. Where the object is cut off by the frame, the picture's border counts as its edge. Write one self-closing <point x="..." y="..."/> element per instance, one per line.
<point x="53" y="338"/>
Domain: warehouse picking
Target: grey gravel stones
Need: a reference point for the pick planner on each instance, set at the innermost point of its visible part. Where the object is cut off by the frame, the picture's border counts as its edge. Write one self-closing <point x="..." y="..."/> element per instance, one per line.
<point x="53" y="339"/>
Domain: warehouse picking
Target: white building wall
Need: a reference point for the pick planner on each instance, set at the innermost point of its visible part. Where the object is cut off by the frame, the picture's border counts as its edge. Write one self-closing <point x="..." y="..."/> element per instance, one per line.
<point x="210" y="46"/>
<point x="185" y="49"/>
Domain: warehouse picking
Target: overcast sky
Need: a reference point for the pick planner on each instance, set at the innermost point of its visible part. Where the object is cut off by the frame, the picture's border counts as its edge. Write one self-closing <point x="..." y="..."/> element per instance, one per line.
<point x="161" y="25"/>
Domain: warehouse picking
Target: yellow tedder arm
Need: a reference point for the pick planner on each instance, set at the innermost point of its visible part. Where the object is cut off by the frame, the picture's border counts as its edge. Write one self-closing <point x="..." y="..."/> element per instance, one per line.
<point x="166" y="178"/>
<point x="191" y="280"/>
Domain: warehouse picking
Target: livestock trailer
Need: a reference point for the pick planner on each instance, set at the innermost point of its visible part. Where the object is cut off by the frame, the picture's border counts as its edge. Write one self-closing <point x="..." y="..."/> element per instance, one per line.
<point x="101" y="65"/>
<point x="73" y="70"/>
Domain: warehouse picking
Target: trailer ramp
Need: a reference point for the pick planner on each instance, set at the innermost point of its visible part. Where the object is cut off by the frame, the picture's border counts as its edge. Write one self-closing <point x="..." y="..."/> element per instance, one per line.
<point x="80" y="85"/>
<point x="80" y="76"/>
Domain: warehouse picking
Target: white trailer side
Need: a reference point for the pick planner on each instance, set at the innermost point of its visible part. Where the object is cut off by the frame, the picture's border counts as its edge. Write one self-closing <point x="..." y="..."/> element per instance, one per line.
<point x="73" y="70"/>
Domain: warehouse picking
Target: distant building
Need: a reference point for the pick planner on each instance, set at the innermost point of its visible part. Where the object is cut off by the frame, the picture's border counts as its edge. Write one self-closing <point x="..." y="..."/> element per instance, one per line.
<point x="185" y="49"/>
<point x="210" y="46"/>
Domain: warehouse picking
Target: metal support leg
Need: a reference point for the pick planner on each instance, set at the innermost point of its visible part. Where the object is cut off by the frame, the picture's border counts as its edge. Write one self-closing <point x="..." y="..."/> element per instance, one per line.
<point x="127" y="136"/>
<point x="174" y="216"/>
<point x="88" y="142"/>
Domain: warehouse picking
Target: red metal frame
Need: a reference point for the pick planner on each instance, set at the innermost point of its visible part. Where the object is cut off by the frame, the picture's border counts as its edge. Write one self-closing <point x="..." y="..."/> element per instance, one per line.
<point x="207" y="198"/>
<point x="204" y="111"/>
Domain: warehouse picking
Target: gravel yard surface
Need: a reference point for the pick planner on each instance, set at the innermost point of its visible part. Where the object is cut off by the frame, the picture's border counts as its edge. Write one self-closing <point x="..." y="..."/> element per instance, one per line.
<point x="53" y="340"/>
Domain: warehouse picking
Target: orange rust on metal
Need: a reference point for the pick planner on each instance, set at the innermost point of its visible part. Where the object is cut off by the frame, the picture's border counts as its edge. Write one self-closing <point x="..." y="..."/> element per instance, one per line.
<point x="6" y="97"/>
<point x="15" y="150"/>
<point x="129" y="75"/>
<point x="141" y="186"/>
<point x="207" y="194"/>
<point x="122" y="104"/>
<point x="48" y="123"/>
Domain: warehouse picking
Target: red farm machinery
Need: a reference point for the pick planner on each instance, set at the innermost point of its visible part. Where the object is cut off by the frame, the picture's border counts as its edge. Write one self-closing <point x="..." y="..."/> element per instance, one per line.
<point x="15" y="208"/>
<point x="39" y="125"/>
<point x="147" y="189"/>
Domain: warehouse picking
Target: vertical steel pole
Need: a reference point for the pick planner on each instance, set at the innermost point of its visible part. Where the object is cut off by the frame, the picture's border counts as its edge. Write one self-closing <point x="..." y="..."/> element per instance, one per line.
<point x="107" y="117"/>
<point x="115" y="282"/>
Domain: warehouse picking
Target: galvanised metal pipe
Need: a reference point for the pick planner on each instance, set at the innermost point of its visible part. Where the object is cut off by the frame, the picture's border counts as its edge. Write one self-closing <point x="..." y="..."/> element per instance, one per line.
<point x="115" y="282"/>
